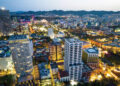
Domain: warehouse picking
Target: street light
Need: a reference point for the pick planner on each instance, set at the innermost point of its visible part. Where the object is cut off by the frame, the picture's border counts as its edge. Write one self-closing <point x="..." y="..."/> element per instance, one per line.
<point x="108" y="75"/>
<point x="99" y="77"/>
<point x="73" y="82"/>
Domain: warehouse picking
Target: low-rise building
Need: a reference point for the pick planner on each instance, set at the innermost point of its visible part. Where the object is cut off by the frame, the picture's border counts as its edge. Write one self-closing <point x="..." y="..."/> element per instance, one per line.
<point x="86" y="73"/>
<point x="6" y="61"/>
<point x="44" y="71"/>
<point x="63" y="76"/>
<point x="114" y="47"/>
<point x="90" y="56"/>
<point x="54" y="68"/>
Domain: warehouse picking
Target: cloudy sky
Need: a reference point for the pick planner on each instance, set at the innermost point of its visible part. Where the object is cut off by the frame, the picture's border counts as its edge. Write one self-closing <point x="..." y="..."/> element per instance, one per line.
<point x="36" y="5"/>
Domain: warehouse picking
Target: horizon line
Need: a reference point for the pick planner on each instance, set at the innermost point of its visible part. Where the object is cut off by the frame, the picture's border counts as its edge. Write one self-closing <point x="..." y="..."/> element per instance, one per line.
<point x="65" y="10"/>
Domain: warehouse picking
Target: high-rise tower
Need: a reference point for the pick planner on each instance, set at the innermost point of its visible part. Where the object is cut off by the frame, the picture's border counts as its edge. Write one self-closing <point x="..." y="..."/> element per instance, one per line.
<point x="73" y="58"/>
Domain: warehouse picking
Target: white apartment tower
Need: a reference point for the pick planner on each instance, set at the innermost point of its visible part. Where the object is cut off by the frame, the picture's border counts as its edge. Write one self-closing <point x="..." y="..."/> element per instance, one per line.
<point x="51" y="33"/>
<point x="73" y="58"/>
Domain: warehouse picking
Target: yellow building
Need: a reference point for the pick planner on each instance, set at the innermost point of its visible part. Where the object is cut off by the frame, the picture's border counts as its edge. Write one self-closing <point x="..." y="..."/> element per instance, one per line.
<point x="55" y="51"/>
<point x="90" y="56"/>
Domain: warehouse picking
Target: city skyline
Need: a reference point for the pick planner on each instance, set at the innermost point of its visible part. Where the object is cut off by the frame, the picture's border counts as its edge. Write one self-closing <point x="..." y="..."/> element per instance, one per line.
<point x="47" y="5"/>
<point x="50" y="48"/>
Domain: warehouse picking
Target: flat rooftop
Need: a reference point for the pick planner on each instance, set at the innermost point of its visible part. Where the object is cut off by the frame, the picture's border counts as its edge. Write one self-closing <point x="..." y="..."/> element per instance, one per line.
<point x="17" y="37"/>
<point x="3" y="43"/>
<point x="53" y="65"/>
<point x="55" y="43"/>
<point x="113" y="44"/>
<point x="92" y="50"/>
<point x="63" y="73"/>
<point x="73" y="40"/>
<point x="107" y="62"/>
<point x="5" y="52"/>
<point x="44" y="71"/>
<point x="84" y="42"/>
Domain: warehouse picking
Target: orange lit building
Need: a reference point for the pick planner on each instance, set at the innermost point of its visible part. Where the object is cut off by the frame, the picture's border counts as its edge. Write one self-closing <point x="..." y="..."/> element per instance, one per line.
<point x="115" y="48"/>
<point x="55" y="50"/>
<point x="100" y="42"/>
<point x="31" y="29"/>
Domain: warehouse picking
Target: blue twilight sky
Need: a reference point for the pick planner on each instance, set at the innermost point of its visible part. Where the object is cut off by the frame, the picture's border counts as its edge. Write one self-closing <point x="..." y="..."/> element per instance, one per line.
<point x="36" y="5"/>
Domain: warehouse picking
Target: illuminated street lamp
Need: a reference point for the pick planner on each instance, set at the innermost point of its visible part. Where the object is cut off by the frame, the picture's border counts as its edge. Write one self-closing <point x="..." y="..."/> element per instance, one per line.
<point x="73" y="82"/>
<point x="99" y="77"/>
<point x="92" y="78"/>
<point x="108" y="75"/>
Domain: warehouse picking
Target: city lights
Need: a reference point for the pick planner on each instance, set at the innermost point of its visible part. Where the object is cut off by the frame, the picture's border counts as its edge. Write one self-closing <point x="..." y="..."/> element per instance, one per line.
<point x="72" y="82"/>
<point x="108" y="75"/>
<point x="58" y="48"/>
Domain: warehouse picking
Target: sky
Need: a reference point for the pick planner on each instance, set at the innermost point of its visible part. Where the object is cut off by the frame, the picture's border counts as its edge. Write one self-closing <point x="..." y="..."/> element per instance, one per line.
<point x="46" y="5"/>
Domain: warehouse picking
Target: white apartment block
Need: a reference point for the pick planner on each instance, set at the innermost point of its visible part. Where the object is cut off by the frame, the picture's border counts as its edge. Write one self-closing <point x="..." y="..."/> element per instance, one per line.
<point x="51" y="33"/>
<point x="73" y="58"/>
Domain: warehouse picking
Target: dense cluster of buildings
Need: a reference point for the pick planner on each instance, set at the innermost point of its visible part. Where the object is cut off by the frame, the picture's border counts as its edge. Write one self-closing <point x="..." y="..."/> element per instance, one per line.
<point x="43" y="53"/>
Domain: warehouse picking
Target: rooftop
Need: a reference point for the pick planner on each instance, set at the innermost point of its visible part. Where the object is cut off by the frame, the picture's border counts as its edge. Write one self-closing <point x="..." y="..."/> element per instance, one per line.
<point x="73" y="40"/>
<point x="56" y="40"/>
<point x="44" y="71"/>
<point x="92" y="50"/>
<point x="86" y="68"/>
<point x="17" y="37"/>
<point x="55" y="43"/>
<point x="3" y="43"/>
<point x="61" y="33"/>
<point x="84" y="42"/>
<point x="5" y="52"/>
<point x="107" y="62"/>
<point x="63" y="73"/>
<point x="53" y="65"/>
<point x="113" y="44"/>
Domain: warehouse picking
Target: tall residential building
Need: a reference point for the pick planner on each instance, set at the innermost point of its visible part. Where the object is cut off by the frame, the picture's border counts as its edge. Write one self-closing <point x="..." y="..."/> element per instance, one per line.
<point x="55" y="51"/>
<point x="22" y="51"/>
<point x="5" y="22"/>
<point x="73" y="58"/>
<point x="51" y="33"/>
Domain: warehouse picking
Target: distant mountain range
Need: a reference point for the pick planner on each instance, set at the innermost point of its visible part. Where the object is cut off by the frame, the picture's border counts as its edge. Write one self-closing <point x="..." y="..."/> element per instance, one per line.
<point x="61" y="12"/>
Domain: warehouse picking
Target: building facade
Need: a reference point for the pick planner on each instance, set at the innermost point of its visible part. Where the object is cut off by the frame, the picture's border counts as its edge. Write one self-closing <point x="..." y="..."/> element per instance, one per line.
<point x="55" y="51"/>
<point x="90" y="56"/>
<point x="22" y="51"/>
<point x="73" y="58"/>
<point x="5" y="22"/>
<point x="6" y="61"/>
<point x="51" y="33"/>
